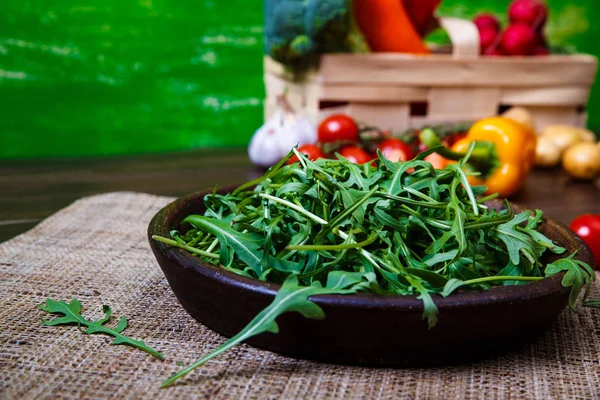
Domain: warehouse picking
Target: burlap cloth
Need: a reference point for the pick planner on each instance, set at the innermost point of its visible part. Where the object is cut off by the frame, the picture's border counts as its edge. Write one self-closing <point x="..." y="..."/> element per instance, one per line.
<point x="96" y="250"/>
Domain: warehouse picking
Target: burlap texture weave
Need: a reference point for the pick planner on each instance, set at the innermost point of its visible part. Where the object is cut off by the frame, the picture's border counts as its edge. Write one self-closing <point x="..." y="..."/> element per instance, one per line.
<point x="96" y="250"/>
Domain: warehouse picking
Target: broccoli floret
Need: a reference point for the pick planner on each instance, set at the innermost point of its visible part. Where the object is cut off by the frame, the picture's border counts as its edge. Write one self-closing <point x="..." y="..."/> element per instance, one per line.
<point x="296" y="31"/>
<point x="326" y="23"/>
<point x="302" y="45"/>
<point x="285" y="33"/>
<point x="319" y="13"/>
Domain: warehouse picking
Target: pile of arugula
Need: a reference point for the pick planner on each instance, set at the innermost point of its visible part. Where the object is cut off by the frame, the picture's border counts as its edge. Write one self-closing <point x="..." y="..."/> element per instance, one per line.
<point x="332" y="226"/>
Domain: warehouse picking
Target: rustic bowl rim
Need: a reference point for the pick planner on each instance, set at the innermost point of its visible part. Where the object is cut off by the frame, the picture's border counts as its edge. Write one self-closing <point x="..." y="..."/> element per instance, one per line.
<point x="497" y="294"/>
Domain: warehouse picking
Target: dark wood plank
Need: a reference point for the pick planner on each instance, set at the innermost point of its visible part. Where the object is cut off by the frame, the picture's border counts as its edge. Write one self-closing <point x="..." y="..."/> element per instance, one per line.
<point x="36" y="189"/>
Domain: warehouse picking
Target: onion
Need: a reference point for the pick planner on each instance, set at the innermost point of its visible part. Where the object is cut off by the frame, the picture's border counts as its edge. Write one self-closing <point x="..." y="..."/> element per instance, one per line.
<point x="582" y="160"/>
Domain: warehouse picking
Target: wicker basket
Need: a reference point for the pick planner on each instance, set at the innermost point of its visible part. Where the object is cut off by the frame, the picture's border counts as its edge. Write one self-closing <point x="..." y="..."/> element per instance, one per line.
<point x="400" y="91"/>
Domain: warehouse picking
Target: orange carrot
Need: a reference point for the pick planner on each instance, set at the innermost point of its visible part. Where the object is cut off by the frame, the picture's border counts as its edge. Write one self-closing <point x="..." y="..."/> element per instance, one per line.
<point x="387" y="27"/>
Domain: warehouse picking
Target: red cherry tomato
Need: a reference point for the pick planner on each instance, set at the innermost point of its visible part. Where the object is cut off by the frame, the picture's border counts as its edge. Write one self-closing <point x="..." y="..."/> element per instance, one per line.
<point x="587" y="227"/>
<point x="338" y="127"/>
<point x="355" y="154"/>
<point x="395" y="150"/>
<point x="312" y="152"/>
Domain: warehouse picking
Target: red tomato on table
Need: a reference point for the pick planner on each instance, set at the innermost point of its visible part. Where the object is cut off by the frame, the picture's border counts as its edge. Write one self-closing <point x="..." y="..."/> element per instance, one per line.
<point x="587" y="227"/>
<point x="355" y="154"/>
<point x="338" y="127"/>
<point x="312" y="152"/>
<point x="395" y="150"/>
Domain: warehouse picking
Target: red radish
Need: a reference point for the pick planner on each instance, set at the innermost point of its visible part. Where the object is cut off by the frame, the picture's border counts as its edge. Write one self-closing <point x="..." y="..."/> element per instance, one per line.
<point x="541" y="47"/>
<point x="540" y="39"/>
<point x="487" y="21"/>
<point x="488" y="38"/>
<point x="496" y="51"/>
<point x="518" y="40"/>
<point x="541" y="51"/>
<point x="533" y="13"/>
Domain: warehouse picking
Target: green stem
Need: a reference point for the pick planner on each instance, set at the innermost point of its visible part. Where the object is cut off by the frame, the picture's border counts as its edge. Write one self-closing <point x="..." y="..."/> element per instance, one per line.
<point x="184" y="246"/>
<point x="362" y="251"/>
<point x="429" y="203"/>
<point x="466" y="186"/>
<point x="349" y="211"/>
<point x="326" y="247"/>
<point x="488" y="198"/>
<point x="293" y="206"/>
<point x="503" y="278"/>
<point x="213" y="245"/>
<point x="197" y="239"/>
<point x="427" y="220"/>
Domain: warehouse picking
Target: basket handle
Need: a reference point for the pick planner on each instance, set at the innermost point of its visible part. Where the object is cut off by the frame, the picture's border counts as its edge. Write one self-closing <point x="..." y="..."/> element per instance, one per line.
<point x="464" y="36"/>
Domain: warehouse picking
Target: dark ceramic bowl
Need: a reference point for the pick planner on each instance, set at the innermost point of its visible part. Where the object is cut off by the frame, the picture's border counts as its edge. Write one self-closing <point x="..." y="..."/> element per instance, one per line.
<point x="364" y="328"/>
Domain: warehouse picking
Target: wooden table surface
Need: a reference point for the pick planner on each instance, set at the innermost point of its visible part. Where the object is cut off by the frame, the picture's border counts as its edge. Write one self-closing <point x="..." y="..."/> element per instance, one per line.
<point x="32" y="190"/>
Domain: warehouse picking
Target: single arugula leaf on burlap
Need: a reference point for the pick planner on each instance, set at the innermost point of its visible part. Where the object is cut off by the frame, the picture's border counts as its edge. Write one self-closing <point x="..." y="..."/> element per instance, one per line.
<point x="72" y="316"/>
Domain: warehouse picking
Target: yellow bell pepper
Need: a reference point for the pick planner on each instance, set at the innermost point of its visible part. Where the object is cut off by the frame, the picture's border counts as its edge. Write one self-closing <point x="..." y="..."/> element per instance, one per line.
<point x="514" y="148"/>
<point x="503" y="154"/>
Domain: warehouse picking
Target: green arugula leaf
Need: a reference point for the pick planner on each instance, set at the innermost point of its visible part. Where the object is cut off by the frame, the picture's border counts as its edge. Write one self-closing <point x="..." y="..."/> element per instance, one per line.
<point x="451" y="286"/>
<point x="359" y="180"/>
<point x="430" y="310"/>
<point x="592" y="303"/>
<point x="394" y="185"/>
<point x="291" y="297"/>
<point x="578" y="275"/>
<point x="245" y="246"/>
<point x="385" y="219"/>
<point x="433" y="279"/>
<point x="432" y="259"/>
<point x="516" y="241"/>
<point x="339" y="280"/>
<point x="512" y="270"/>
<point x="71" y="315"/>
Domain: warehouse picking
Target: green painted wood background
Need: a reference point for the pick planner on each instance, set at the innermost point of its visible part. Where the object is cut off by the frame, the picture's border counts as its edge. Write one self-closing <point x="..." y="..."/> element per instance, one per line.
<point x="103" y="77"/>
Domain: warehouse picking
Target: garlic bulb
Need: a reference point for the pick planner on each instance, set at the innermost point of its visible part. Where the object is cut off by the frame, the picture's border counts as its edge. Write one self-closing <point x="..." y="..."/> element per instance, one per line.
<point x="282" y="131"/>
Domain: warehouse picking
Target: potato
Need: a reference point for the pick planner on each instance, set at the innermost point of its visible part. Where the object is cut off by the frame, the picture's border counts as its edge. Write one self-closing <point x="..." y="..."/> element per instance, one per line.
<point x="582" y="160"/>
<point x="563" y="136"/>
<point x="521" y="115"/>
<point x="547" y="154"/>
<point x="586" y="135"/>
